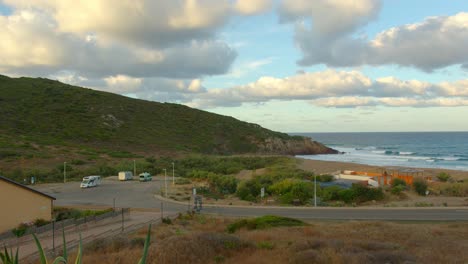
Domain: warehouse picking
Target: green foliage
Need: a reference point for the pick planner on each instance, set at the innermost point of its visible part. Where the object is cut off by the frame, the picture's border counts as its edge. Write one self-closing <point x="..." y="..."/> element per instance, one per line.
<point x="293" y="189"/>
<point x="181" y="181"/>
<point x="7" y="257"/>
<point x="325" y="178"/>
<point x="331" y="193"/>
<point x="265" y="245"/>
<point x="167" y="221"/>
<point x="263" y="222"/>
<point x="420" y="186"/>
<point x="356" y="194"/>
<point x="78" y="162"/>
<point x="48" y="112"/>
<point x="145" y="248"/>
<point x="397" y="182"/>
<point x="20" y="230"/>
<point x="363" y="193"/>
<point x="398" y="186"/>
<point x="398" y="189"/>
<point x="40" y="222"/>
<point x="62" y="213"/>
<point x="458" y="189"/>
<point x="222" y="184"/>
<point x="443" y="176"/>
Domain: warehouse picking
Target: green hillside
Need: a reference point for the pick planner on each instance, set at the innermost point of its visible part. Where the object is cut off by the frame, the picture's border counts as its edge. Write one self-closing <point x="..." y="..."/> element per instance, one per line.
<point x="46" y="112"/>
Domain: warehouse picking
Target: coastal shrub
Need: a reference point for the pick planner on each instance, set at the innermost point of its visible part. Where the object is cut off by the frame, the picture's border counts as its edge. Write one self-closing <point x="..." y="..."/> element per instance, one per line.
<point x="398" y="189"/>
<point x="330" y="193"/>
<point x="458" y="189"/>
<point x="325" y="178"/>
<point x="40" y="222"/>
<point x="364" y="193"/>
<point x="181" y="181"/>
<point x="443" y="176"/>
<point x="346" y="195"/>
<point x="293" y="189"/>
<point x="396" y="182"/>
<point x="222" y="183"/>
<point x="398" y="186"/>
<point x="21" y="229"/>
<point x="420" y="186"/>
<point x="263" y="222"/>
<point x="244" y="192"/>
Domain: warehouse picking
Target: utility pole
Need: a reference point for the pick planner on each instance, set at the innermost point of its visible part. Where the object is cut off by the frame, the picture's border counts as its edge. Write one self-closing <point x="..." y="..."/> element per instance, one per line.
<point x="64" y="172"/>
<point x="165" y="182"/>
<point x="134" y="168"/>
<point x="173" y="177"/>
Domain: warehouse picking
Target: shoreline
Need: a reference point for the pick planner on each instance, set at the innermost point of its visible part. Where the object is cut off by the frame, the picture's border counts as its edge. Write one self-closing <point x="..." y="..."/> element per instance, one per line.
<point x="324" y="167"/>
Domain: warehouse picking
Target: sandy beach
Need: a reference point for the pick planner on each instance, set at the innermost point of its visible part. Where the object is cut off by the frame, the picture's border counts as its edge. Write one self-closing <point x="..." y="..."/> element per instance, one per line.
<point x="321" y="167"/>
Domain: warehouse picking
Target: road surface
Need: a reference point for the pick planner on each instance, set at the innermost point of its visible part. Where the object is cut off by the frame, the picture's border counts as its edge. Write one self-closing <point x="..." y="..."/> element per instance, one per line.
<point x="136" y="194"/>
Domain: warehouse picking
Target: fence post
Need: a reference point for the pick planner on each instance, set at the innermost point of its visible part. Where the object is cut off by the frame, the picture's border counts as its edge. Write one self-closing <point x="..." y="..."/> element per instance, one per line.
<point x="162" y="212"/>
<point x="122" y="219"/>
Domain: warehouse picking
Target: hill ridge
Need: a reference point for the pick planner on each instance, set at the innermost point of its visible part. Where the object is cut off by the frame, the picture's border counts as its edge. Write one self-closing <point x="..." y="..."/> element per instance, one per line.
<point x="41" y="110"/>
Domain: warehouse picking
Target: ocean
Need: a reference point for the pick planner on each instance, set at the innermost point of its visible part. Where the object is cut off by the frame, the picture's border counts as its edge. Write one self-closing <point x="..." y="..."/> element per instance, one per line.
<point x="445" y="150"/>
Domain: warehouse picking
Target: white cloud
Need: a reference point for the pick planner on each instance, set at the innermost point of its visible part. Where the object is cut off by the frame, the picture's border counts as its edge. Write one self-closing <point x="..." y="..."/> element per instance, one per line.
<point x="331" y="88"/>
<point x="326" y="33"/>
<point x="251" y="7"/>
<point x="154" y="23"/>
<point x="330" y="17"/>
<point x="123" y="83"/>
<point x="32" y="45"/>
<point x="356" y="101"/>
<point x="458" y="88"/>
<point x="436" y="42"/>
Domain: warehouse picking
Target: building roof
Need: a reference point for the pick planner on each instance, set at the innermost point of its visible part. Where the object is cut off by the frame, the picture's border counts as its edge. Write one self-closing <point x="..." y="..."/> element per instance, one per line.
<point x="25" y="187"/>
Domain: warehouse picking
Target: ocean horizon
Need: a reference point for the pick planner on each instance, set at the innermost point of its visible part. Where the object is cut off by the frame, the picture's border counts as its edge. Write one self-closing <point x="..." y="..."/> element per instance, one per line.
<point x="443" y="150"/>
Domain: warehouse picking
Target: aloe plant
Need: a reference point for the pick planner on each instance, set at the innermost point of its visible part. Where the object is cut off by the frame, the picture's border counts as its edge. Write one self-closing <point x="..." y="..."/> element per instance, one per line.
<point x="145" y="248"/>
<point x="8" y="257"/>
<point x="59" y="259"/>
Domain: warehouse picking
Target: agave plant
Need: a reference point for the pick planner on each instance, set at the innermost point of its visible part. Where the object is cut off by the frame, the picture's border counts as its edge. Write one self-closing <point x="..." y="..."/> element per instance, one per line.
<point x="59" y="259"/>
<point x="8" y="257"/>
<point x="145" y="248"/>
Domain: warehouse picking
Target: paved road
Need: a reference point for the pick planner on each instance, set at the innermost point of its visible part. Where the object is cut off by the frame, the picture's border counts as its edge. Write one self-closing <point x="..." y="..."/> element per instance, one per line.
<point x="144" y="195"/>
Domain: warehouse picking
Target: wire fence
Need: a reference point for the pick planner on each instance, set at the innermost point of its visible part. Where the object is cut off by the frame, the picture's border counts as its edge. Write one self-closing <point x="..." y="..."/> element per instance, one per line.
<point x="9" y="239"/>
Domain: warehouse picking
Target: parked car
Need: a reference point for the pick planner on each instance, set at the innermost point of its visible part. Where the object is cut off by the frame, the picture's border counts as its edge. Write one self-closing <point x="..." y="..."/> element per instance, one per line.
<point x="145" y="176"/>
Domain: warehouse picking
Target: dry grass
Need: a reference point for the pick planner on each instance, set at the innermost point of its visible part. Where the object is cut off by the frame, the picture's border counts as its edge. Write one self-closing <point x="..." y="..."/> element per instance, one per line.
<point x="202" y="239"/>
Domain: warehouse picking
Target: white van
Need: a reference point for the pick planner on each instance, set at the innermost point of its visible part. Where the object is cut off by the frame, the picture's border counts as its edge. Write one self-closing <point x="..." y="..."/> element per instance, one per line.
<point x="90" y="181"/>
<point x="145" y="176"/>
<point x="125" y="175"/>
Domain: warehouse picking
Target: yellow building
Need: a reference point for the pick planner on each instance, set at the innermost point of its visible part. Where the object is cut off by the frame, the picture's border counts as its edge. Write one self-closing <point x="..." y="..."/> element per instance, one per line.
<point x="21" y="204"/>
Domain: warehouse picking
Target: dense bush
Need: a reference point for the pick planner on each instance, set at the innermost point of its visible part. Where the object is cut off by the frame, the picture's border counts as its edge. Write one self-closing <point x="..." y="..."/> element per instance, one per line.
<point x="331" y="193"/>
<point x="357" y="193"/>
<point x="222" y="184"/>
<point x="397" y="189"/>
<point x="458" y="189"/>
<point x="289" y="190"/>
<point x="263" y="222"/>
<point x="420" y="186"/>
<point x="396" y="182"/>
<point x="247" y="191"/>
<point x="398" y="186"/>
<point x="325" y="178"/>
<point x="443" y="176"/>
<point x="363" y="193"/>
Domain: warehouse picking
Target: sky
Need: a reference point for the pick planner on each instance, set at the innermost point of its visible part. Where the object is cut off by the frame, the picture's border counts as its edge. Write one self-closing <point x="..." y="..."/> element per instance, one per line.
<point x="290" y="65"/>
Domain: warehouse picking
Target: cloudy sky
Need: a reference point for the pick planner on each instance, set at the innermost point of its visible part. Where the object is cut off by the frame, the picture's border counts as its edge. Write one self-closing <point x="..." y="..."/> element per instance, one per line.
<point x="290" y="65"/>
